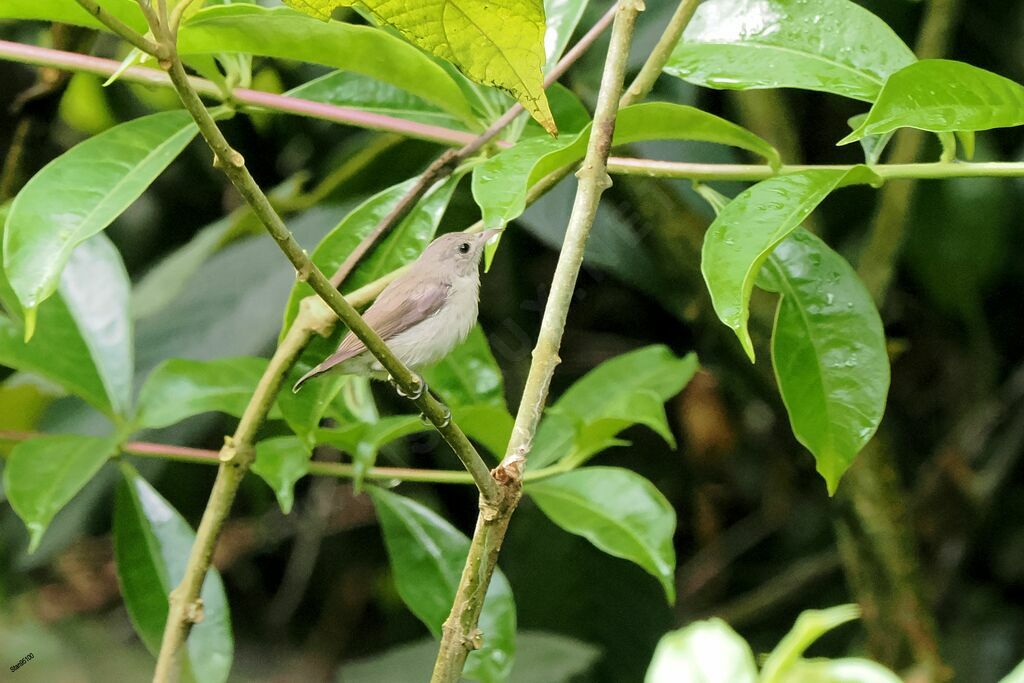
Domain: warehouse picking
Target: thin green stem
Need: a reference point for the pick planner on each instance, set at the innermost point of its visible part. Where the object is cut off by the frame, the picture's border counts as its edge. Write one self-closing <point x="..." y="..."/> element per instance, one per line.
<point x="651" y="70"/>
<point x="459" y="632"/>
<point x="757" y="172"/>
<point x="120" y="28"/>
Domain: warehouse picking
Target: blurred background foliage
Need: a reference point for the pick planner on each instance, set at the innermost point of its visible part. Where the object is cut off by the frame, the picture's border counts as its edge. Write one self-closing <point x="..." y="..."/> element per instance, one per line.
<point x="311" y="593"/>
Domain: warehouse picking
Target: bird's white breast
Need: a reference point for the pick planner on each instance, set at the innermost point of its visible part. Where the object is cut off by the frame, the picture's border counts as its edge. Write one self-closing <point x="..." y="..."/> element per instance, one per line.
<point x="431" y="340"/>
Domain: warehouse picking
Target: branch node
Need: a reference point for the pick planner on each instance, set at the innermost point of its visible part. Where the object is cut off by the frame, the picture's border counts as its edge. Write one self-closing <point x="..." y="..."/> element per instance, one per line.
<point x="303" y="274"/>
<point x="510" y="471"/>
<point x="195" y="612"/>
<point x="236" y="452"/>
<point x="474" y="641"/>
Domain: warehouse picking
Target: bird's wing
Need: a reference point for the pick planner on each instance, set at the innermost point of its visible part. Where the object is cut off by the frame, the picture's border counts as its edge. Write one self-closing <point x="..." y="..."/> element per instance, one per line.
<point x="401" y="305"/>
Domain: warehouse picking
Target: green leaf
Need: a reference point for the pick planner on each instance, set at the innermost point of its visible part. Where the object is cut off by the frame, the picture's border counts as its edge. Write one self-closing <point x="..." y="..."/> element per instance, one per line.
<point x="78" y="194"/>
<point x="361" y="92"/>
<point x="873" y="145"/>
<point x="640" y="407"/>
<point x="403" y="245"/>
<point x="281" y="462"/>
<point x="618" y="511"/>
<point x="285" y="34"/>
<point x="562" y="17"/>
<point x="847" y="670"/>
<point x="468" y="375"/>
<point x="180" y="388"/>
<point x="151" y="547"/>
<point x="503" y="47"/>
<point x="364" y="440"/>
<point x="1015" y="676"/>
<point x="70" y="12"/>
<point x="605" y="392"/>
<point x="303" y="410"/>
<point x="943" y="96"/>
<point x="427" y="555"/>
<point x="96" y="290"/>
<point x="44" y="473"/>
<point x="703" y="652"/>
<point x="828" y="350"/>
<point x="809" y="626"/>
<point x="833" y="46"/>
<point x="750" y="226"/>
<point x="500" y="184"/>
<point x="488" y="425"/>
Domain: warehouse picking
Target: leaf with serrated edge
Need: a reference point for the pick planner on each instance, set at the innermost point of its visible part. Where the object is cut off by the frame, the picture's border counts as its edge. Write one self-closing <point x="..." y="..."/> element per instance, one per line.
<point x="499" y="42"/>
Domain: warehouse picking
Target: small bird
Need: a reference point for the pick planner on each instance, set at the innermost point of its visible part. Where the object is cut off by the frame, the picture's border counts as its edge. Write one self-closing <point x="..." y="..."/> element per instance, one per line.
<point x="423" y="314"/>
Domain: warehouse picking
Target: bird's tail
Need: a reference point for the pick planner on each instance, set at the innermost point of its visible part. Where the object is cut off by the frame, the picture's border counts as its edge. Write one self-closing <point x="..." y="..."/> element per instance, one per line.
<point x="318" y="370"/>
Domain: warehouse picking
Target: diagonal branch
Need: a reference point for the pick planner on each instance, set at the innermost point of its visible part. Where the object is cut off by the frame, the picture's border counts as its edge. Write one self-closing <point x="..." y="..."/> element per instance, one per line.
<point x="460" y="628"/>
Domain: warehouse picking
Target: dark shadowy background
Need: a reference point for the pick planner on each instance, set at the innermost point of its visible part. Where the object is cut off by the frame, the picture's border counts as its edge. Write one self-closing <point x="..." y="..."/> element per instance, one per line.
<point x="756" y="539"/>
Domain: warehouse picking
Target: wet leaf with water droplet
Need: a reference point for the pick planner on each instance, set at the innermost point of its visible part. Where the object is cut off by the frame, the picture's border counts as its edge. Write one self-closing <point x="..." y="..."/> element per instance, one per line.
<point x="828" y="350"/>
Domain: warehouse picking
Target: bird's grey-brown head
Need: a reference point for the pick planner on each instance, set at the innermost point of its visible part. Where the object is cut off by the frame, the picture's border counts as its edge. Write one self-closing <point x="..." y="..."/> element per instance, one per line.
<point x="458" y="251"/>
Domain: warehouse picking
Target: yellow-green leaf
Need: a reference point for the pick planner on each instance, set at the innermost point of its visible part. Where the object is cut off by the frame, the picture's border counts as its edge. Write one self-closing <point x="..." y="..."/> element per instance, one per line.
<point x="497" y="42"/>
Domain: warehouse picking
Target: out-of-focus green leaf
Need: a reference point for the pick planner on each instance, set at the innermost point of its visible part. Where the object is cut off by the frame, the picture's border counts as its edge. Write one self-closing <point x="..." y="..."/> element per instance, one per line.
<point x="834" y="46"/>
<point x="151" y="546"/>
<point x="847" y="670"/>
<point x="500" y="184"/>
<point x="829" y="353"/>
<point x="489" y="425"/>
<point x="943" y="96"/>
<point x="84" y="106"/>
<point x="281" y="462"/>
<point x="96" y="290"/>
<point x="703" y="652"/>
<point x="603" y="392"/>
<point x="618" y="511"/>
<point x="70" y="12"/>
<point x="78" y="194"/>
<point x="181" y="388"/>
<point x="369" y="94"/>
<point x="364" y="440"/>
<point x="403" y="245"/>
<point x="750" y="226"/>
<point x="468" y="375"/>
<point x="562" y="16"/>
<point x="286" y="34"/>
<point x="501" y="46"/>
<point x="810" y="625"/>
<point x="1015" y="676"/>
<point x="427" y="554"/>
<point x="44" y="473"/>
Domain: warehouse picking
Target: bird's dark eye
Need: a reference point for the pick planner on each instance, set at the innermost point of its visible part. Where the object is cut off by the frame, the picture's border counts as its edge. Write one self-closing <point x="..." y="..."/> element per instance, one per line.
<point x="464" y="248"/>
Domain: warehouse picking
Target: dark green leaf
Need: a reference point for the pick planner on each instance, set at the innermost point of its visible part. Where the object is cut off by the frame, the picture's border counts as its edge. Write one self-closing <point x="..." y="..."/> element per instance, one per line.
<point x="618" y="511"/>
<point x="705" y="651"/>
<point x="488" y="425"/>
<point x="281" y="462"/>
<point x="151" y="546"/>
<point x="286" y="34"/>
<point x="834" y="46"/>
<point x="78" y="194"/>
<point x="829" y="353"/>
<point x="750" y="226"/>
<point x="181" y="388"/>
<point x="427" y="554"/>
<point x="403" y="245"/>
<point x="44" y="473"/>
<point x="500" y="184"/>
<point x="943" y="96"/>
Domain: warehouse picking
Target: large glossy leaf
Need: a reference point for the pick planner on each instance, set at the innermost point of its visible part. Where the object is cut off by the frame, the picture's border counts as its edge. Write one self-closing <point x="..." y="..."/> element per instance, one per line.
<point x="96" y="290"/>
<point x="286" y="34"/>
<point x="942" y="96"/>
<point x="369" y="94"/>
<point x="403" y="245"/>
<point x="78" y="194"/>
<point x="703" y="652"/>
<point x="427" y="555"/>
<point x="602" y="394"/>
<point x="44" y="473"/>
<point x="829" y="353"/>
<point x="281" y="462"/>
<point x="618" y="511"/>
<point x="152" y="542"/>
<point x="750" y="226"/>
<point x="70" y="12"/>
<point x="363" y="440"/>
<point x="468" y="375"/>
<point x="500" y="45"/>
<point x="181" y="388"/>
<point x="834" y="46"/>
<point x="500" y="184"/>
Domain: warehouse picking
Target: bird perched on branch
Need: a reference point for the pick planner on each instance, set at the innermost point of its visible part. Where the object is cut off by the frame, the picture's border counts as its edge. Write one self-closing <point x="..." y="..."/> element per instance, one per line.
<point x="423" y="314"/>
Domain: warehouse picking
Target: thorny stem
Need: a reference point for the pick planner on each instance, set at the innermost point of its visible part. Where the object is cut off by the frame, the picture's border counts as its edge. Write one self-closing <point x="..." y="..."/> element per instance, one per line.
<point x="459" y="635"/>
<point x="656" y="61"/>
